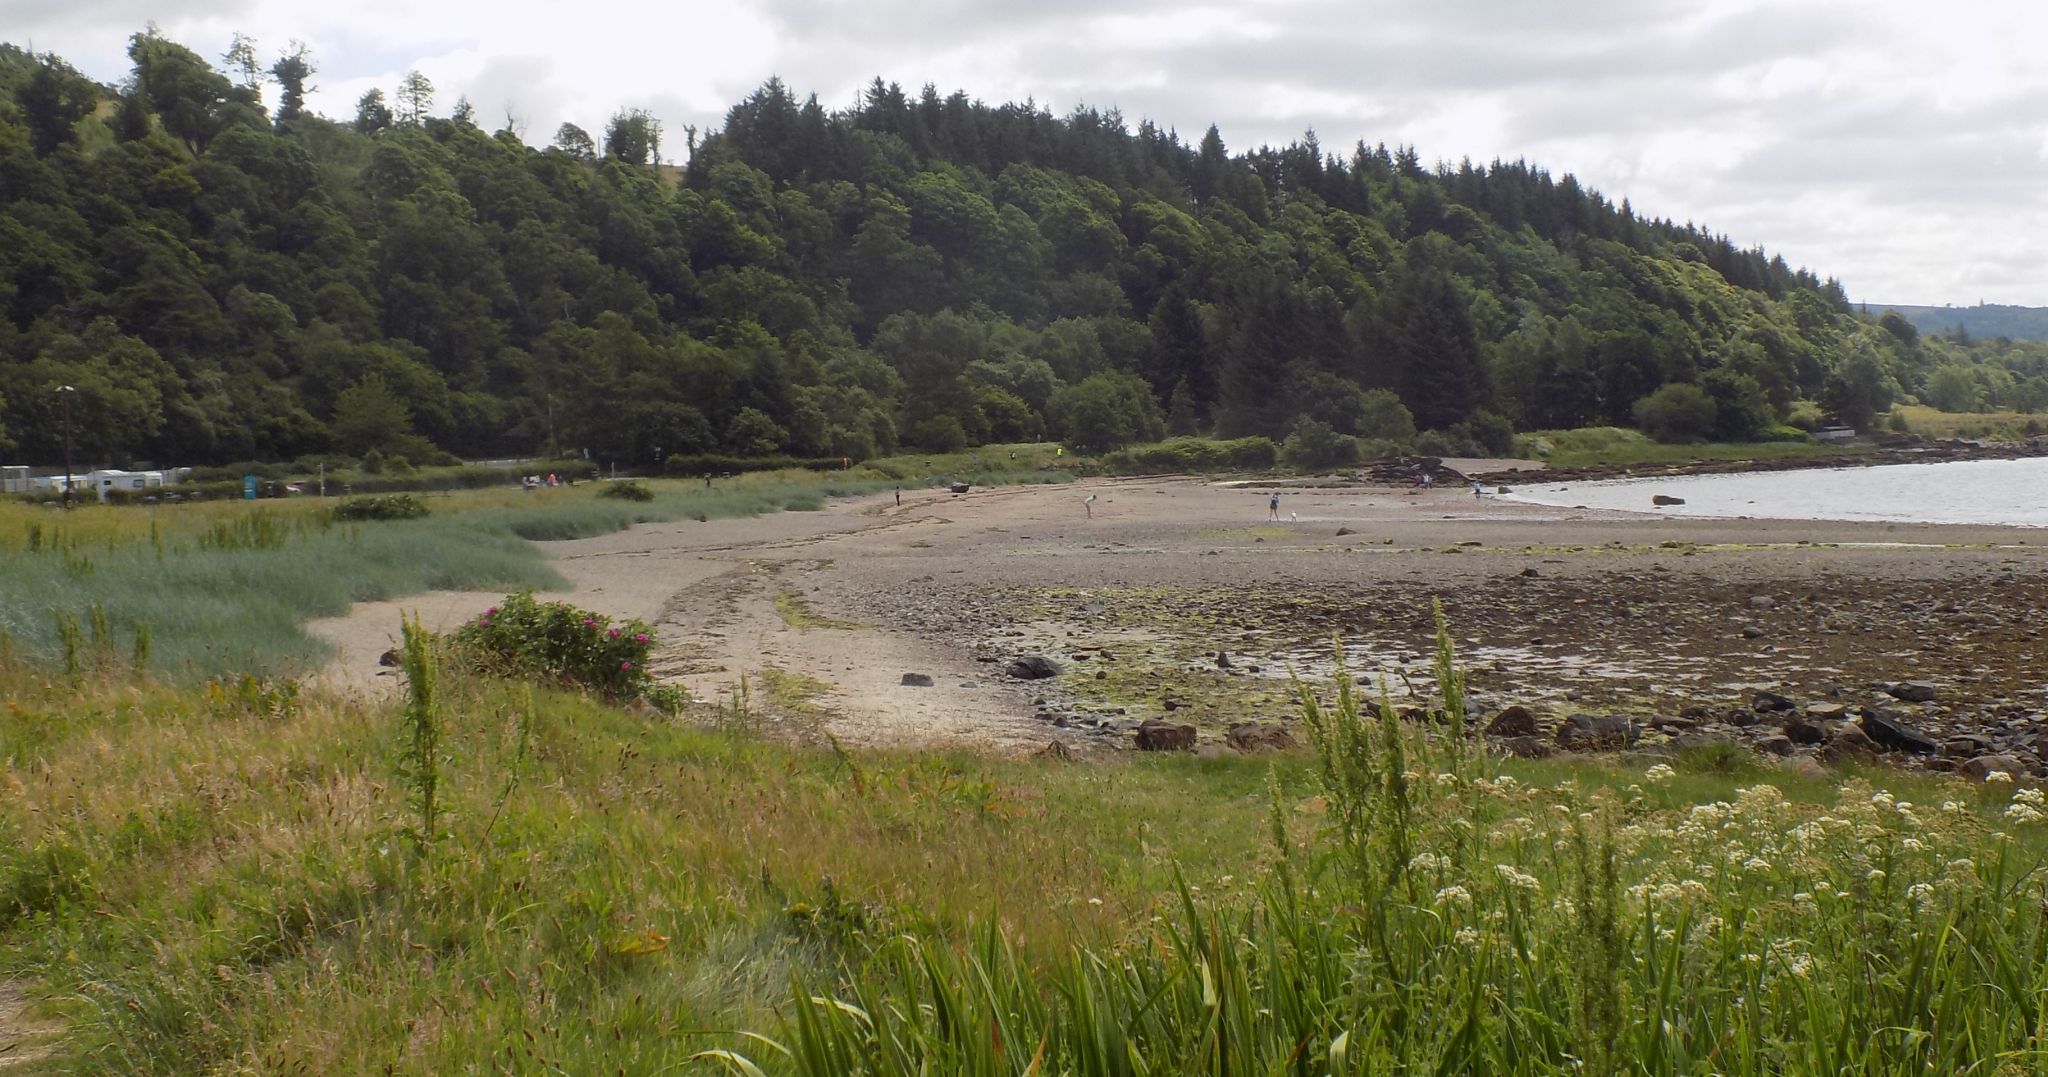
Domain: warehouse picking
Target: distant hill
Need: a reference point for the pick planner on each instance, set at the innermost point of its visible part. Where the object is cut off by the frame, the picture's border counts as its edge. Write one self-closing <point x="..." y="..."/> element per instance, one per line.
<point x="219" y="279"/>
<point x="1983" y="320"/>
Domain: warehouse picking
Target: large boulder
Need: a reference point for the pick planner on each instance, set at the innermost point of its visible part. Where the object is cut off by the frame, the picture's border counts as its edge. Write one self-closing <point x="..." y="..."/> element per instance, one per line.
<point x="1804" y="732"/>
<point x="1769" y="701"/>
<point x="1968" y="746"/>
<point x="1775" y="744"/>
<point x="1894" y="735"/>
<point x="1912" y="691"/>
<point x="1597" y="733"/>
<point x="1157" y="736"/>
<point x="1252" y="738"/>
<point x="1514" y="720"/>
<point x="1032" y="667"/>
<point x="1528" y="747"/>
<point x="1849" y="744"/>
<point x="1985" y="765"/>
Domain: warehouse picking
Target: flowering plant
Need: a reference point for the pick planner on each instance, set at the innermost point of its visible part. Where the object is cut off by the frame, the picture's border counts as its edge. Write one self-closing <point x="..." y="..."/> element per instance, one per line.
<point x="560" y="642"/>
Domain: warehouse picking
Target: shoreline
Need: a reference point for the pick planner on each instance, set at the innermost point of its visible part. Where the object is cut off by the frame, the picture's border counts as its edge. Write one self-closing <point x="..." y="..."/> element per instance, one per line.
<point x="1921" y="452"/>
<point x="1185" y="602"/>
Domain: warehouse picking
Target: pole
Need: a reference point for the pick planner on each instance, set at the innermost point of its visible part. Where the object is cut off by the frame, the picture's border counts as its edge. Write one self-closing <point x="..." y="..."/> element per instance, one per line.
<point x="66" y="391"/>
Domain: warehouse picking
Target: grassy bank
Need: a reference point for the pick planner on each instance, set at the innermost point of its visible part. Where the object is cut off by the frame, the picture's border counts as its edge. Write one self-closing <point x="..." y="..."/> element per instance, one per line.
<point x="202" y="589"/>
<point x="232" y="878"/>
<point x="1618" y="447"/>
<point x="1990" y="425"/>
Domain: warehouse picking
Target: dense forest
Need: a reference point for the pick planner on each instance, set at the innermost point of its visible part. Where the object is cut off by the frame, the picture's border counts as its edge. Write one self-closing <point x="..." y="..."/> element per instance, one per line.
<point x="224" y="275"/>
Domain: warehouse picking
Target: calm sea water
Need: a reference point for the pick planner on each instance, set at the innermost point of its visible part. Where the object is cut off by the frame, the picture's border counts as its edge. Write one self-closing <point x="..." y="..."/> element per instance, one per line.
<point x="1962" y="492"/>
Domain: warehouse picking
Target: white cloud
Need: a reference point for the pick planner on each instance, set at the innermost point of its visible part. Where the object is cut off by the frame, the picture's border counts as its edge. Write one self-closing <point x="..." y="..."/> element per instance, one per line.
<point x="1899" y="147"/>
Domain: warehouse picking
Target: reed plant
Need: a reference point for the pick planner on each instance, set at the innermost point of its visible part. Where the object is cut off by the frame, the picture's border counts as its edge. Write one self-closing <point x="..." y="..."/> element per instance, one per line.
<point x="226" y="587"/>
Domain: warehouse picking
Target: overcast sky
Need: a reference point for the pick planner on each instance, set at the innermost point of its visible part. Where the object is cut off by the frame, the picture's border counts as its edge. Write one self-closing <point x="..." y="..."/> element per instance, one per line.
<point x="1900" y="146"/>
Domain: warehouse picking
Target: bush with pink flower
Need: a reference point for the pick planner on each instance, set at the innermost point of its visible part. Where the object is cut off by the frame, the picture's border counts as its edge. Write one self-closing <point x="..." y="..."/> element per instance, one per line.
<point x="558" y="642"/>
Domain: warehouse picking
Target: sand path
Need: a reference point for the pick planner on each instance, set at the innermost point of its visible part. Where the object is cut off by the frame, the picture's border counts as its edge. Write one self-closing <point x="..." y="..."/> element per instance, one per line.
<point x="711" y="590"/>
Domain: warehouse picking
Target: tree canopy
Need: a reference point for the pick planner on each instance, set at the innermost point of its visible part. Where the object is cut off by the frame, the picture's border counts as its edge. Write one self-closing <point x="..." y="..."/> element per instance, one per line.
<point x="918" y="270"/>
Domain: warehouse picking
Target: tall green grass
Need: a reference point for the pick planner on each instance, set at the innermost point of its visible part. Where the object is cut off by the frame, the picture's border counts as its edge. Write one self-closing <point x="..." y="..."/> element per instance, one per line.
<point x="225" y="588"/>
<point x="214" y="878"/>
<point x="1423" y="916"/>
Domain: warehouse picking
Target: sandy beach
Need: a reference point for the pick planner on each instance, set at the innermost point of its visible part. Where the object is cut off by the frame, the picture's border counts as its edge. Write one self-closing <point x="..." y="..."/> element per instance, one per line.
<point x="1183" y="600"/>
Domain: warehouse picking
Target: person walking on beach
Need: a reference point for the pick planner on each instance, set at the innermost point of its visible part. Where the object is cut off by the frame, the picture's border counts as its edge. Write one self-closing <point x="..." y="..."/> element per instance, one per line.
<point x="1475" y="489"/>
<point x="1273" y="508"/>
<point x="1089" y="504"/>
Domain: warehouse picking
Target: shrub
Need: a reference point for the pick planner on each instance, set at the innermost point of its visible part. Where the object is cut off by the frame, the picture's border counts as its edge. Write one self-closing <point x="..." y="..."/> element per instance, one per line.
<point x="1382" y="416"/>
<point x="1192" y="454"/>
<point x="1314" y="444"/>
<point x="1679" y="411"/>
<point x="1105" y="411"/>
<point x="1782" y="432"/>
<point x="557" y="642"/>
<point x="1451" y="441"/>
<point x="1805" y="415"/>
<point x="1742" y="408"/>
<point x="1488" y="431"/>
<point x="626" y="490"/>
<point x="387" y="507"/>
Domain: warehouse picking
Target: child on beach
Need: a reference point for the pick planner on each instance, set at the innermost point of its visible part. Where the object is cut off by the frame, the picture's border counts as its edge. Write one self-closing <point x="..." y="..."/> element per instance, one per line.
<point x="1273" y="508"/>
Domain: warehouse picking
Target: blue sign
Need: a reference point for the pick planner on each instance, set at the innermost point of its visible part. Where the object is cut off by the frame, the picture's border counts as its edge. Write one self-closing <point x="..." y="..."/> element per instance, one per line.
<point x="248" y="487"/>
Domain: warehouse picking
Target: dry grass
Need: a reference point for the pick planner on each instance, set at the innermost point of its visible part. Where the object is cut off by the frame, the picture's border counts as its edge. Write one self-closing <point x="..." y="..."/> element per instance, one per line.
<point x="219" y="875"/>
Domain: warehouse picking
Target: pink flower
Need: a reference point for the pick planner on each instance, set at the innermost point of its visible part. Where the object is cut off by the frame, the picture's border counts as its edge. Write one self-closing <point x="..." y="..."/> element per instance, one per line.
<point x="490" y="611"/>
<point x="625" y="665"/>
<point x="640" y="637"/>
<point x="615" y="633"/>
<point x="588" y="623"/>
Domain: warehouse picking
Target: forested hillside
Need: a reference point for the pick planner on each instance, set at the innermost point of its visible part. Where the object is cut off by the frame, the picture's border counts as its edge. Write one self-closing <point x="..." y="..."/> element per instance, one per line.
<point x="223" y="276"/>
<point x="1983" y="320"/>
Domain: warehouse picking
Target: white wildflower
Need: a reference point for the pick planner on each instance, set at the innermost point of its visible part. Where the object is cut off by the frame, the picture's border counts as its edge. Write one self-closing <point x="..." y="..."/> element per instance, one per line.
<point x="1467" y="936"/>
<point x="1659" y="773"/>
<point x="1997" y="776"/>
<point x="1518" y="879"/>
<point x="2031" y="795"/>
<point x="2023" y="813"/>
<point x="1427" y="862"/>
<point x="1454" y="895"/>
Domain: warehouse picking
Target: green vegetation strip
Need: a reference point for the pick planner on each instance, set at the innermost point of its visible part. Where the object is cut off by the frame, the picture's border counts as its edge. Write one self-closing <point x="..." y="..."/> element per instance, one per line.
<point x="226" y="587"/>
<point x="234" y="875"/>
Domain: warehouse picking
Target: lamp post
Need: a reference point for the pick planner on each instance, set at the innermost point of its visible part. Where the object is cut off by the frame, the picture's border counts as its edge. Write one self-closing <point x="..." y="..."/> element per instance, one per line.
<point x="67" y="391"/>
